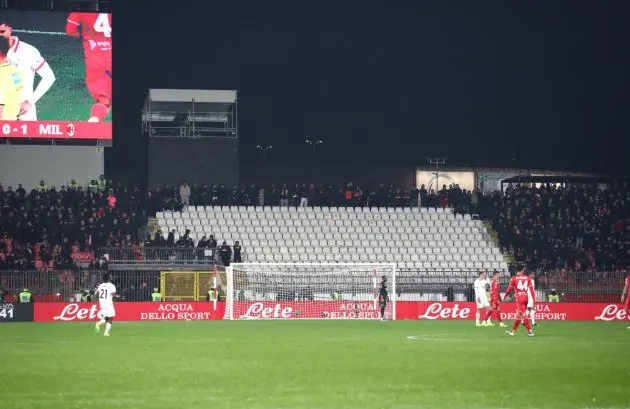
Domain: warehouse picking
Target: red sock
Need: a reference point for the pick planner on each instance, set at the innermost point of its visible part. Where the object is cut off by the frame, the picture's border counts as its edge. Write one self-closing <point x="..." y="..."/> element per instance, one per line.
<point x="527" y="324"/>
<point x="517" y="322"/>
<point x="489" y="315"/>
<point x="499" y="316"/>
<point x="99" y="111"/>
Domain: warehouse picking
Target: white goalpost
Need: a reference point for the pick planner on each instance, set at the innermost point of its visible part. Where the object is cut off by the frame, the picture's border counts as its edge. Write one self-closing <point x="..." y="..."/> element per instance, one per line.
<point x="309" y="291"/>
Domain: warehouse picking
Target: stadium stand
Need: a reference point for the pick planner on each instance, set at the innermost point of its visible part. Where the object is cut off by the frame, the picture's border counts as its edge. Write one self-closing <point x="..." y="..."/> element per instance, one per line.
<point x="576" y="238"/>
<point x="417" y="238"/>
<point x="578" y="229"/>
<point x="551" y="228"/>
<point x="47" y="229"/>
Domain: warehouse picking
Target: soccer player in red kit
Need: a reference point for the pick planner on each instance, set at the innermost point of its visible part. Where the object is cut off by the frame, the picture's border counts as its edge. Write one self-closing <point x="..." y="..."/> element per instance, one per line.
<point x="522" y="286"/>
<point x="495" y="300"/>
<point x="626" y="297"/>
<point x="95" y="31"/>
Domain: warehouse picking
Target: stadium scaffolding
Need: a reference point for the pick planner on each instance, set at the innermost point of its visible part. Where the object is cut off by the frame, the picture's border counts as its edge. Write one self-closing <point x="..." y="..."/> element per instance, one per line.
<point x="191" y="114"/>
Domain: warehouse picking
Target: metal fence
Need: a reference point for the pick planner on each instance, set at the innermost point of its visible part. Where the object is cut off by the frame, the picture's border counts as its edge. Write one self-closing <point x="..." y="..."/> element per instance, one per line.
<point x="69" y="285"/>
<point x="158" y="255"/>
<point x="411" y="285"/>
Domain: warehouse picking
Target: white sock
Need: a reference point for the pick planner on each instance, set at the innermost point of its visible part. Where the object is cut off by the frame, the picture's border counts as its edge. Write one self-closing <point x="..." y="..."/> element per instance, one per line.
<point x="478" y="316"/>
<point x="108" y="328"/>
<point x="531" y="317"/>
<point x="102" y="321"/>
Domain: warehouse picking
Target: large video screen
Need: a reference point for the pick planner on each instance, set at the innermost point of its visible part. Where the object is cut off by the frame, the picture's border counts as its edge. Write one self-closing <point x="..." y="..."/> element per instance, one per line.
<point x="55" y="75"/>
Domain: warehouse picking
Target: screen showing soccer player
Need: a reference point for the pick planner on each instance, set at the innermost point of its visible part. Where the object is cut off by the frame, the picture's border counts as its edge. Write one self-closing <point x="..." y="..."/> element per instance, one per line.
<point x="64" y="65"/>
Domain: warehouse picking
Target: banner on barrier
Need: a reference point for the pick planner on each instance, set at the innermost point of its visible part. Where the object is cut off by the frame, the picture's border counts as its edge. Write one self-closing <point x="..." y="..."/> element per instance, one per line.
<point x="306" y="310"/>
<point x="543" y="311"/>
<point x="410" y="310"/>
<point x="130" y="311"/>
<point x="405" y="310"/>
<point x="16" y="312"/>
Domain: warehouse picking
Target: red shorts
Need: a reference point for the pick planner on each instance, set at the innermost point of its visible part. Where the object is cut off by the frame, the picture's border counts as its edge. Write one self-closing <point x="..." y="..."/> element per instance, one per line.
<point x="521" y="307"/>
<point x="98" y="74"/>
<point x="494" y="305"/>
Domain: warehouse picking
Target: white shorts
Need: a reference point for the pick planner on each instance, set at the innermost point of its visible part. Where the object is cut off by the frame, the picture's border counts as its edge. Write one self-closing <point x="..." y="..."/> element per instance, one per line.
<point x="107" y="311"/>
<point x="484" y="303"/>
<point x="530" y="303"/>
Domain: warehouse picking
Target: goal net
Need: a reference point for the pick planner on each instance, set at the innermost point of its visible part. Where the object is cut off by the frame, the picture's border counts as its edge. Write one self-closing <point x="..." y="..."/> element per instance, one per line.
<point x="309" y="291"/>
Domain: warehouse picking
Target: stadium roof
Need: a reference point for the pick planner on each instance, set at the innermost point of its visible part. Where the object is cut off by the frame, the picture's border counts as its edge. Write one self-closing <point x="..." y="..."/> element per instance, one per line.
<point x="203" y="100"/>
<point x="561" y="179"/>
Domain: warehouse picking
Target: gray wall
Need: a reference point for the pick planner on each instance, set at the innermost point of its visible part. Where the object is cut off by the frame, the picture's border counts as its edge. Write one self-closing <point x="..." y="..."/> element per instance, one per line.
<point x="203" y="161"/>
<point x="56" y="165"/>
<point x="401" y="176"/>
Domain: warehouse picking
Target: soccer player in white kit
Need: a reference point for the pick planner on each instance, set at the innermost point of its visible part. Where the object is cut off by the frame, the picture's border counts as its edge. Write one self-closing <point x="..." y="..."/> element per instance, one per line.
<point x="29" y="61"/>
<point x="105" y="294"/>
<point x="531" y="300"/>
<point x="481" y="297"/>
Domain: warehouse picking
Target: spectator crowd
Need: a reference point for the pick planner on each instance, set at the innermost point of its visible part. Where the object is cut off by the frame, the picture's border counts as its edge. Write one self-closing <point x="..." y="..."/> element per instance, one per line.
<point x="48" y="228"/>
<point x="576" y="228"/>
<point x="174" y="198"/>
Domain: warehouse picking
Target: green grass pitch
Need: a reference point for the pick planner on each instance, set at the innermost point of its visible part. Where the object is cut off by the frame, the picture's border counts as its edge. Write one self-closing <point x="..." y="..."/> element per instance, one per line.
<point x="314" y="364"/>
<point x="68" y="99"/>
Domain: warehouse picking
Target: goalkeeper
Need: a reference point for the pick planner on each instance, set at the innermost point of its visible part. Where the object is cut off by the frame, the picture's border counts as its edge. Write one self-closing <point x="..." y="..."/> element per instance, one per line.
<point x="383" y="296"/>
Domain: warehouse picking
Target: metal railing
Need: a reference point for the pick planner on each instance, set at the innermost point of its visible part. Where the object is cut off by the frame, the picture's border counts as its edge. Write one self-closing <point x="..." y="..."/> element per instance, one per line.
<point x="411" y="285"/>
<point x="158" y="255"/>
<point x="67" y="285"/>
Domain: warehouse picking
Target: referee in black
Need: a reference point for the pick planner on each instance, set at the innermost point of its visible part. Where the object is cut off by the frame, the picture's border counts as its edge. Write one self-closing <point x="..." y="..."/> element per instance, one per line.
<point x="383" y="296"/>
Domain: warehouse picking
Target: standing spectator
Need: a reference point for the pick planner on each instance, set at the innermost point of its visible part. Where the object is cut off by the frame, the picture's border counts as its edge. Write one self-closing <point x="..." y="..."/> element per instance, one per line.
<point x="261" y="197"/>
<point x="111" y="200"/>
<point x="225" y="252"/>
<point x="20" y="192"/>
<point x="579" y="236"/>
<point x="93" y="186"/>
<point x="312" y="193"/>
<point x="237" y="252"/>
<point x="303" y="196"/>
<point x="184" y="194"/>
<point x="102" y="183"/>
<point x="284" y="196"/>
<point x="170" y="240"/>
<point x="42" y="187"/>
<point x="474" y="201"/>
<point x="295" y="195"/>
<point x="203" y="243"/>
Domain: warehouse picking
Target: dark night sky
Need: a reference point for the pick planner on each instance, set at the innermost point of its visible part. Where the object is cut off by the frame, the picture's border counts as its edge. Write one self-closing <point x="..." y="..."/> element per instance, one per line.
<point x="539" y="84"/>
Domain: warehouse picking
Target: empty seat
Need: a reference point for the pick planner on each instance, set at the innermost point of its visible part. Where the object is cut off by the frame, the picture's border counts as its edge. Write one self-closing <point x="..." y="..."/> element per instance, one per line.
<point x="429" y="239"/>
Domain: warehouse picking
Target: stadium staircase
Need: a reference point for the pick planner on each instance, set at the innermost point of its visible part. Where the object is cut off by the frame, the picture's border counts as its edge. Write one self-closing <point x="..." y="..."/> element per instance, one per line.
<point x="418" y="239"/>
<point x="508" y="258"/>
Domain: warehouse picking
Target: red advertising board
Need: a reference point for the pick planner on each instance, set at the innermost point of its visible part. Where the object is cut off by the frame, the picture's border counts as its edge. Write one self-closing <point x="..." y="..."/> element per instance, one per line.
<point x="543" y="311"/>
<point x="405" y="310"/>
<point x="130" y="311"/>
<point x="56" y="130"/>
<point x="410" y="310"/>
<point x="306" y="309"/>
